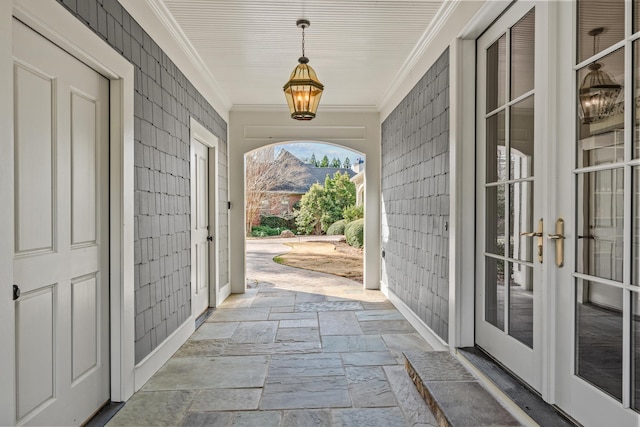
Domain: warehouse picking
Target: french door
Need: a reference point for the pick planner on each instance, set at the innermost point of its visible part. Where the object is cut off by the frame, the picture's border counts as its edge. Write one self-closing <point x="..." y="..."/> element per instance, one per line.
<point x="598" y="293"/>
<point x="509" y="194"/>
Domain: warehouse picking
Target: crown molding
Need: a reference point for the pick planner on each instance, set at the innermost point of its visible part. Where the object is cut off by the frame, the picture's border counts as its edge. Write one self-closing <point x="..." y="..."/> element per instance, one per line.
<point x="323" y="108"/>
<point x="430" y="33"/>
<point x="171" y="26"/>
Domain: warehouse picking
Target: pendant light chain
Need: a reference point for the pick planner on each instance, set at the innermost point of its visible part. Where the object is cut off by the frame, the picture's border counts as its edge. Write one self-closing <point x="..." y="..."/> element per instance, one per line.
<point x="303" y="27"/>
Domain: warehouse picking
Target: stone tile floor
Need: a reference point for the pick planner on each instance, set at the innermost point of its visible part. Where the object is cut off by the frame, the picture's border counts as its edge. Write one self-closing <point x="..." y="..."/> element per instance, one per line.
<point x="301" y="349"/>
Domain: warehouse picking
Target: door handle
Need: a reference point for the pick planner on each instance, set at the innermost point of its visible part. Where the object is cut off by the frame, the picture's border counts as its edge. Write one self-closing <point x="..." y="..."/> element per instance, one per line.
<point x="539" y="234"/>
<point x="210" y="238"/>
<point x="16" y="292"/>
<point x="559" y="238"/>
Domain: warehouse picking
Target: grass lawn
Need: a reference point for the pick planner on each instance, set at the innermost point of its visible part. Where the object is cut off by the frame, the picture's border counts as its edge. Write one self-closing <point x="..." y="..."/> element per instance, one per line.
<point x="335" y="258"/>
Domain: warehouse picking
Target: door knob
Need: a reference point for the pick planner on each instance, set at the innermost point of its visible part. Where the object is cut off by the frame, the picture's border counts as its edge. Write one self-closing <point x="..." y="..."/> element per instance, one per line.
<point x="210" y="238"/>
<point x="16" y="292"/>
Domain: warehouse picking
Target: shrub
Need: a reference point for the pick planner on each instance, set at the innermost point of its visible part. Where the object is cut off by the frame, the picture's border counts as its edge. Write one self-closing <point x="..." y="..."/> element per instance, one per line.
<point x="276" y="221"/>
<point x="352" y="212"/>
<point x="337" y="228"/>
<point x="354" y="233"/>
<point x="264" y="231"/>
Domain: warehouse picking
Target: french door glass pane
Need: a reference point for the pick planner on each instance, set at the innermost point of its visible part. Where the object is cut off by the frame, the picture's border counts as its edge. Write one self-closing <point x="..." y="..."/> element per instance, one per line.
<point x="591" y="15"/>
<point x="599" y="336"/>
<point x="635" y="342"/>
<point x="496" y="152"/>
<point x="497" y="74"/>
<point x="636" y="16"/>
<point x="494" y="292"/>
<point x="521" y="220"/>
<point x="521" y="139"/>
<point x="635" y="225"/>
<point x="636" y="87"/>
<point x="522" y="55"/>
<point x="601" y="109"/>
<point x="495" y="230"/>
<point x="600" y="223"/>
<point x="521" y="303"/>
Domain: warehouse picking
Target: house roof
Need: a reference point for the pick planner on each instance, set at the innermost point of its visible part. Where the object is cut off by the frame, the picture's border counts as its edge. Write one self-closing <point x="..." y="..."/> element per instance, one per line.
<point x="308" y="176"/>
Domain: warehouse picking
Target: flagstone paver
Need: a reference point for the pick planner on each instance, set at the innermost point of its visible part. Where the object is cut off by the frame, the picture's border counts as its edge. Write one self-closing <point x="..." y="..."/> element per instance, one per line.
<point x="299" y="348"/>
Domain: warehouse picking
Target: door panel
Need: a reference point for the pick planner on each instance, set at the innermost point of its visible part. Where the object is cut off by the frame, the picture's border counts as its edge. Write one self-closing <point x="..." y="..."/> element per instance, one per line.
<point x="61" y="256"/>
<point x="200" y="225"/>
<point x="507" y="264"/>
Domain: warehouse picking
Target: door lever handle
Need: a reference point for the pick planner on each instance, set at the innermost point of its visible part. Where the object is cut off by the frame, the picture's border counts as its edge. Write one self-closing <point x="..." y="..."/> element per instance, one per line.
<point x="531" y="233"/>
<point x="210" y="238"/>
<point x="539" y="234"/>
<point x="559" y="238"/>
<point x="555" y="236"/>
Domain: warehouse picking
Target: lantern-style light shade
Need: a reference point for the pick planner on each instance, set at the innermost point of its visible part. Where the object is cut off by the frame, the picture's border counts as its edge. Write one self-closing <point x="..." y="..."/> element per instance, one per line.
<point x="303" y="91"/>
<point x="598" y="95"/>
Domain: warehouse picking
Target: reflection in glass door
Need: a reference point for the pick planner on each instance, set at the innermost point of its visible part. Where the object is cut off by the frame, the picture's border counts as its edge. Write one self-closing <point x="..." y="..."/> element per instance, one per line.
<point x="508" y="219"/>
<point x="605" y="294"/>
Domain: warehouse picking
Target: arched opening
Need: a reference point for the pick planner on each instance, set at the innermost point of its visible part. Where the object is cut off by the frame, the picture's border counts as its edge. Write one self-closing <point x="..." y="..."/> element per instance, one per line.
<point x="359" y="132"/>
<point x="305" y="194"/>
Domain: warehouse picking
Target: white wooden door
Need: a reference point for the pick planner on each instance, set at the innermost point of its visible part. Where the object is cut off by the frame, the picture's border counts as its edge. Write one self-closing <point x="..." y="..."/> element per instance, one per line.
<point x="61" y="231"/>
<point x="201" y="236"/>
<point x="598" y="291"/>
<point x="510" y="181"/>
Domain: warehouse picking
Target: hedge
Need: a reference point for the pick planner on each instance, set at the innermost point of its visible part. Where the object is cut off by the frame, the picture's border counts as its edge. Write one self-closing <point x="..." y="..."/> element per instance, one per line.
<point x="265" y="231"/>
<point x="276" y="221"/>
<point x="354" y="233"/>
<point x="337" y="228"/>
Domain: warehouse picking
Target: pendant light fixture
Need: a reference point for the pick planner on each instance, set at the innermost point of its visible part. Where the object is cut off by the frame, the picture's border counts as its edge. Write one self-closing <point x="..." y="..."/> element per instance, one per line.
<point x="303" y="90"/>
<point x="598" y="91"/>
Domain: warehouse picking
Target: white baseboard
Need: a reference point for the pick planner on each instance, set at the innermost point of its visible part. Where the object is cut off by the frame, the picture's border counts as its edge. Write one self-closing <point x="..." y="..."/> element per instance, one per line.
<point x="437" y="343"/>
<point x="223" y="293"/>
<point x="159" y="356"/>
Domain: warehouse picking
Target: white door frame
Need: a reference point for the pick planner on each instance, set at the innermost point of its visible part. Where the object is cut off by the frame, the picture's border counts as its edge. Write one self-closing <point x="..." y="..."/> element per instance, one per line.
<point x="216" y="295"/>
<point x="55" y="23"/>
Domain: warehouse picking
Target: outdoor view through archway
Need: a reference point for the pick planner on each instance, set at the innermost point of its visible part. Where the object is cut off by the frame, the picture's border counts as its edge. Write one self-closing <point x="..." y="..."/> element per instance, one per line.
<point x="304" y="204"/>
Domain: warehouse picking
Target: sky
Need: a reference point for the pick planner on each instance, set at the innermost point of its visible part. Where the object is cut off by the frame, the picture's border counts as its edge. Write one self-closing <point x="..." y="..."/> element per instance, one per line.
<point x="304" y="150"/>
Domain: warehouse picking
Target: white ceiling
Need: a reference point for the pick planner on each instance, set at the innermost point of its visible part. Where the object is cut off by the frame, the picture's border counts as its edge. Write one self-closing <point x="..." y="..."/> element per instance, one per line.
<point x="358" y="48"/>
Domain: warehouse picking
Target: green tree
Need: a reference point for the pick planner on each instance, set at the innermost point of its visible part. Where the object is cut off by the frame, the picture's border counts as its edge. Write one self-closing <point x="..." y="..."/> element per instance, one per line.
<point x="321" y="206"/>
<point x="324" y="163"/>
<point x="313" y="161"/>
<point x="335" y="163"/>
<point x="347" y="163"/>
<point x="308" y="216"/>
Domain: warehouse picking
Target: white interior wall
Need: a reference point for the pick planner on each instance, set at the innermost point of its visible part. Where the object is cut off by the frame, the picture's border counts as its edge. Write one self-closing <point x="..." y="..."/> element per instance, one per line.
<point x="358" y="131"/>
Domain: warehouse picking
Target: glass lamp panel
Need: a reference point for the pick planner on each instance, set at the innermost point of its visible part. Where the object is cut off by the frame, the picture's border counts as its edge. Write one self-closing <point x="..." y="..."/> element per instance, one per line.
<point x="497" y="74"/>
<point x="522" y="139"/>
<point x="592" y="14"/>
<point x="601" y="111"/>
<point x="522" y="55"/>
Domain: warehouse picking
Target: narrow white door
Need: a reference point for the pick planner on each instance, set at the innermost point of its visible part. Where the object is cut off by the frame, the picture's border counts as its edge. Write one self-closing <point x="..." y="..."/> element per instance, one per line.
<point x="61" y="230"/>
<point x="508" y="193"/>
<point x="201" y="236"/>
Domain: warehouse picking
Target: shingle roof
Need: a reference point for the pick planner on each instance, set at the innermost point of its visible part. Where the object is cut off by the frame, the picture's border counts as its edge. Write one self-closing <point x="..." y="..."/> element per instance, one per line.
<point x="309" y="175"/>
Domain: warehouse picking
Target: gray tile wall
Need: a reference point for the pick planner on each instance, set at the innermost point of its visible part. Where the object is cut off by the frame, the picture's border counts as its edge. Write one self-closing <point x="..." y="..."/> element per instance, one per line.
<point x="164" y="102"/>
<point x="415" y="198"/>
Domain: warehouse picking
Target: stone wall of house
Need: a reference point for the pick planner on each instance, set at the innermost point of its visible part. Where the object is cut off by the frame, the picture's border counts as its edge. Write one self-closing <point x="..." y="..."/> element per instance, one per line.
<point x="164" y="102"/>
<point x="415" y="198"/>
